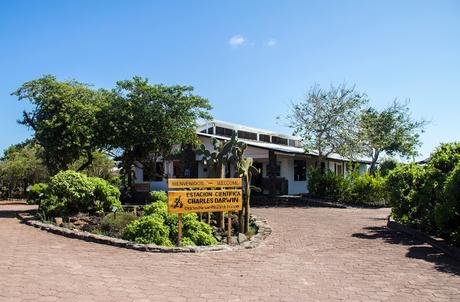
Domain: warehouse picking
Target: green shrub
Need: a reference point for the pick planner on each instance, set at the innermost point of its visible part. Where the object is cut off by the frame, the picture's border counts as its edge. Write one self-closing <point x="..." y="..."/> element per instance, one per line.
<point x="452" y="185"/>
<point x="114" y="223"/>
<point x="326" y="184"/>
<point x="387" y="166"/>
<point x="70" y="192"/>
<point x="447" y="218"/>
<point x="156" y="196"/>
<point x="106" y="196"/>
<point x="160" y="208"/>
<point x="148" y="229"/>
<point x="52" y="206"/>
<point x="429" y="196"/>
<point x="402" y="185"/>
<point x="198" y="232"/>
<point x="447" y="213"/>
<point x="187" y="242"/>
<point x="37" y="193"/>
<point x="364" y="189"/>
<point x="445" y="157"/>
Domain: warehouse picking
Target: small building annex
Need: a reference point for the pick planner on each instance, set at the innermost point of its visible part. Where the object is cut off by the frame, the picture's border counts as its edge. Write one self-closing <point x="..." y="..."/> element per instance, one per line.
<point x="290" y="162"/>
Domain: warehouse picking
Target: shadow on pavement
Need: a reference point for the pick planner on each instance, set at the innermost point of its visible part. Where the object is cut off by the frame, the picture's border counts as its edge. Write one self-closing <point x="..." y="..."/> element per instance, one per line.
<point x="417" y="249"/>
<point x="12" y="213"/>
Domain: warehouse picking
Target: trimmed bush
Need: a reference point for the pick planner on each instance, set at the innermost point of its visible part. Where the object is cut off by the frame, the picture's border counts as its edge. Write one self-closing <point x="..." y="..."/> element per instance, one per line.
<point x="114" y="223"/>
<point x="198" y="233"/>
<point x="326" y="185"/>
<point x="402" y="185"/>
<point x="70" y="192"/>
<point x="148" y="229"/>
<point x="452" y="185"/>
<point x="364" y="189"/>
<point x="156" y="196"/>
<point x="187" y="242"/>
<point x="106" y="196"/>
<point x="447" y="213"/>
<point x="37" y="193"/>
<point x="428" y="197"/>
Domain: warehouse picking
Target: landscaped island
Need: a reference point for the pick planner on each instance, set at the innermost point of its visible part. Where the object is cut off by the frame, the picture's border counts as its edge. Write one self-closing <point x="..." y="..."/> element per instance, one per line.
<point x="91" y="204"/>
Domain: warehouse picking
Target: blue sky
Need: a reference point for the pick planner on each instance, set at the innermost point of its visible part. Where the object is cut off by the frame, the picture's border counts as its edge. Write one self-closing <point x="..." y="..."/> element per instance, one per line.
<point x="249" y="58"/>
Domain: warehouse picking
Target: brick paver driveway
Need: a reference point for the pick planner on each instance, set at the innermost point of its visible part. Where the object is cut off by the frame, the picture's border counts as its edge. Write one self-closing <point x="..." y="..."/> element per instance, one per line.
<point x="313" y="254"/>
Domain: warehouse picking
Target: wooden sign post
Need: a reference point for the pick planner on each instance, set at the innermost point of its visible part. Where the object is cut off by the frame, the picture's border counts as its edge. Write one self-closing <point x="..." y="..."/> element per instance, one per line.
<point x="206" y="200"/>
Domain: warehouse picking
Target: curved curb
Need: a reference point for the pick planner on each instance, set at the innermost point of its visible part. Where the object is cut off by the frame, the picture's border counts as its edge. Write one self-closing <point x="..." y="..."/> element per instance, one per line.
<point x="437" y="243"/>
<point x="264" y="231"/>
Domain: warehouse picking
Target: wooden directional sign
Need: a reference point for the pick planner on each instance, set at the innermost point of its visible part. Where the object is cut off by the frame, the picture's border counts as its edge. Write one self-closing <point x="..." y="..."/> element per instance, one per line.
<point x="205" y="201"/>
<point x="203" y="183"/>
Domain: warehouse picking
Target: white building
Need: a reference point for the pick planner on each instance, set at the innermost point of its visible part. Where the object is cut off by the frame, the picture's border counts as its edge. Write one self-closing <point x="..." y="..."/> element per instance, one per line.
<point x="290" y="171"/>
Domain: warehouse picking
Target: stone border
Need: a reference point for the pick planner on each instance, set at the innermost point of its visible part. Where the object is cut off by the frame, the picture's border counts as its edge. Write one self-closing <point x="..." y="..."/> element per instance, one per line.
<point x="437" y="243"/>
<point x="264" y="231"/>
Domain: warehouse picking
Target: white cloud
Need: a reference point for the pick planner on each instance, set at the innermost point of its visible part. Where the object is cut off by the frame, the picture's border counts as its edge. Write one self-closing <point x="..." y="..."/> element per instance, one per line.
<point x="237" y="40"/>
<point x="272" y="42"/>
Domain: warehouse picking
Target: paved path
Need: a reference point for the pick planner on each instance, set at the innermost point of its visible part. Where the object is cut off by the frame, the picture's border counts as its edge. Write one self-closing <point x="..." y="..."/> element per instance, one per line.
<point x="313" y="254"/>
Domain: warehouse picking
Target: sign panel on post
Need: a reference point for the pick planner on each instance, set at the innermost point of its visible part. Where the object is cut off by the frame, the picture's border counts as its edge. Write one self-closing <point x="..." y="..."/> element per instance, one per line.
<point x="205" y="201"/>
<point x="202" y="183"/>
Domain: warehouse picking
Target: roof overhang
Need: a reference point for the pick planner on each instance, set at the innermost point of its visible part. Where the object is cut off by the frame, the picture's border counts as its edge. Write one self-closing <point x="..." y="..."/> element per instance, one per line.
<point x="281" y="149"/>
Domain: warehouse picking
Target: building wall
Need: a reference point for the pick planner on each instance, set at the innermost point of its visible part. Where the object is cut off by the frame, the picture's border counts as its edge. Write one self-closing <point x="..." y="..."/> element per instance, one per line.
<point x="259" y="155"/>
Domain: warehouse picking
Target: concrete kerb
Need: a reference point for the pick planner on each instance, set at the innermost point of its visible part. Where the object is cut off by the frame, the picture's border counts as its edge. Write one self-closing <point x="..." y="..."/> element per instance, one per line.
<point x="435" y="242"/>
<point x="264" y="231"/>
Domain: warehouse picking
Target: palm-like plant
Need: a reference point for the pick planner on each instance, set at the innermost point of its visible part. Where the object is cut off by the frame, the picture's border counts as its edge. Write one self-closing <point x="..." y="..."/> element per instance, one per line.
<point x="246" y="170"/>
<point x="224" y="152"/>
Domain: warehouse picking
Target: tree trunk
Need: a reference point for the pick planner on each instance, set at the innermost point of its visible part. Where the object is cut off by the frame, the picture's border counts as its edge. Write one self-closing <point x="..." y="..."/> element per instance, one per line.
<point x="373" y="166"/>
<point x="220" y="215"/>
<point x="88" y="162"/>
<point x="241" y="222"/>
<point x="247" y="205"/>
<point x="241" y="213"/>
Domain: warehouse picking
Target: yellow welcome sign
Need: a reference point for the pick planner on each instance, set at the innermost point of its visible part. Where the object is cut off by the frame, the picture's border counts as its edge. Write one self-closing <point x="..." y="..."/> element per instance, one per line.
<point x="202" y="183"/>
<point x="205" y="201"/>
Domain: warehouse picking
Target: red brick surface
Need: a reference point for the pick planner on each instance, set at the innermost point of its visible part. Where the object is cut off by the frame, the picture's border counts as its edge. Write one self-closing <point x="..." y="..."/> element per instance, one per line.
<point x="313" y="254"/>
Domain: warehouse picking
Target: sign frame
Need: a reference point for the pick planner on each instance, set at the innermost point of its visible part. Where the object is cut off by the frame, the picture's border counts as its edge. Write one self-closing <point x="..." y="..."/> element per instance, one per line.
<point x="205" y="184"/>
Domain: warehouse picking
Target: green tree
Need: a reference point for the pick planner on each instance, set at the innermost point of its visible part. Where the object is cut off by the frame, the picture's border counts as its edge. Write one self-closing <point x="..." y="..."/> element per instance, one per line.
<point x="327" y="120"/>
<point x="387" y="166"/>
<point x="143" y="122"/>
<point x="102" y="166"/>
<point x="21" y="166"/>
<point x="63" y="119"/>
<point x="391" y="131"/>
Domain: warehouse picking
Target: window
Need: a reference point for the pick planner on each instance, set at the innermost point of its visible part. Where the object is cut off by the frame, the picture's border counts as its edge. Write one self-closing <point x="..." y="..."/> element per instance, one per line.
<point x="224" y="131"/>
<point x="211" y="130"/>
<point x="279" y="140"/>
<point x="292" y="143"/>
<point x="247" y="135"/>
<point x="300" y="170"/>
<point x="338" y="169"/>
<point x="264" y="138"/>
<point x="277" y="168"/>
<point x="323" y="167"/>
<point x="149" y="173"/>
